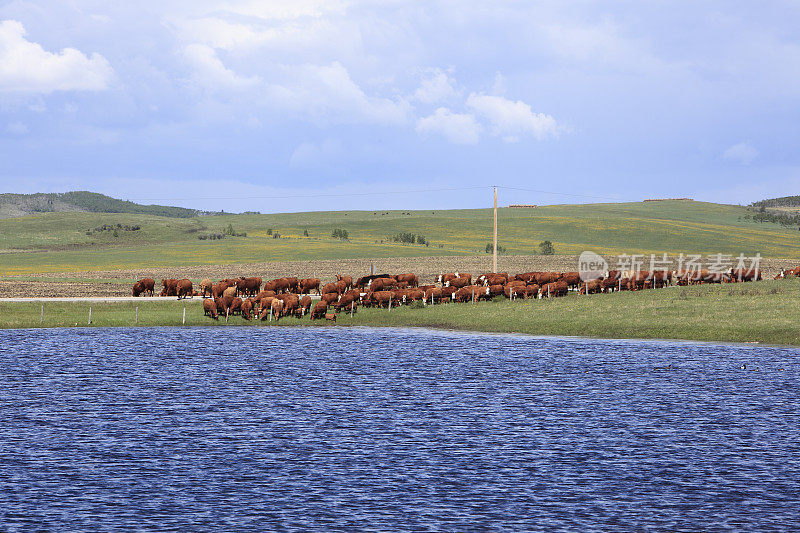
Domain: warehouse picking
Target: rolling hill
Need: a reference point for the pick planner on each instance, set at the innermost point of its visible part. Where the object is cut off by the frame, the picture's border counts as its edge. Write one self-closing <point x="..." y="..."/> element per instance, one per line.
<point x="75" y="241"/>
<point x="17" y="205"/>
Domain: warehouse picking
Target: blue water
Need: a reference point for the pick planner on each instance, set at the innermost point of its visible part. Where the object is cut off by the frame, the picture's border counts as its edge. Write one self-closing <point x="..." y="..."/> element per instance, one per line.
<point x="356" y="429"/>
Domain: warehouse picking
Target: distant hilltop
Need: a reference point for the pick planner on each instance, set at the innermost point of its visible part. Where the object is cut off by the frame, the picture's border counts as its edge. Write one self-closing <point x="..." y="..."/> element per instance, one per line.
<point x="784" y="201"/>
<point x="517" y="206"/>
<point x="18" y="205"/>
<point x="667" y="199"/>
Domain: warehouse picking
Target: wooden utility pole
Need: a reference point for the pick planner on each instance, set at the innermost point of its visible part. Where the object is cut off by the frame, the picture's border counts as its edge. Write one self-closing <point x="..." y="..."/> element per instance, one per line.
<point x="494" y="252"/>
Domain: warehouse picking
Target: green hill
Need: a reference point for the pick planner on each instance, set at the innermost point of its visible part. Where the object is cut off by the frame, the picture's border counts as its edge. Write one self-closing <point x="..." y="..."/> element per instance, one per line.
<point x="77" y="241"/>
<point x="16" y="205"/>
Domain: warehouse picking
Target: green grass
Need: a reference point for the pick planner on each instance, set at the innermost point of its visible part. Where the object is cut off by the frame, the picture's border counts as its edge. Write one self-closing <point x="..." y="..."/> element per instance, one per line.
<point x="765" y="312"/>
<point x="57" y="242"/>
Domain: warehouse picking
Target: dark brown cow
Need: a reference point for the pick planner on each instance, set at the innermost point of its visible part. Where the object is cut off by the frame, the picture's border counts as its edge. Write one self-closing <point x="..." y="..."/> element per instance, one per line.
<point x="137" y="288"/>
<point x="319" y="310"/>
<point x="220" y="303"/>
<point x="308" y="285"/>
<point x="148" y="286"/>
<point x="433" y="294"/>
<point x="185" y="289"/>
<point x="527" y="277"/>
<point x="493" y="278"/>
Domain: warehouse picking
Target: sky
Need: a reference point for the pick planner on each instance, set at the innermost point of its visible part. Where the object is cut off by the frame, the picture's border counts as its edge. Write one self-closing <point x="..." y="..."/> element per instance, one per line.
<point x="279" y="106"/>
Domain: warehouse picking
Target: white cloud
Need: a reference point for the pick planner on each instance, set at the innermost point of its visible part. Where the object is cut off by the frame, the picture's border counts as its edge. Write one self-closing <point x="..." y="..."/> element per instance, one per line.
<point x="436" y="87"/>
<point x="511" y="119"/>
<point x="456" y="127"/>
<point x="211" y="72"/>
<point x="743" y="153"/>
<point x="26" y="67"/>
<point x="17" y="128"/>
<point x="328" y="93"/>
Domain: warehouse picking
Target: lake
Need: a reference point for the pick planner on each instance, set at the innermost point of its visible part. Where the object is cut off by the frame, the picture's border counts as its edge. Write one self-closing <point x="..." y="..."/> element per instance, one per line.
<point x="320" y="429"/>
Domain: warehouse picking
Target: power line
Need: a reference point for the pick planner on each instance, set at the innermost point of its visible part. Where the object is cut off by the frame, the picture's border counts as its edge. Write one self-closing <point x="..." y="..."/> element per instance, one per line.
<point x="374" y="193"/>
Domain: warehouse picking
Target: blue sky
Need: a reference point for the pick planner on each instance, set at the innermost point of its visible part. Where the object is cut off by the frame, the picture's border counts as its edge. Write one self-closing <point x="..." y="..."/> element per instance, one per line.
<point x="221" y="105"/>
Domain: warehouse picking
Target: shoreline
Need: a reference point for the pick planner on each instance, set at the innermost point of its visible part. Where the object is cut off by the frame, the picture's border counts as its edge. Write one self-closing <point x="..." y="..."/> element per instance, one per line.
<point x="434" y="329"/>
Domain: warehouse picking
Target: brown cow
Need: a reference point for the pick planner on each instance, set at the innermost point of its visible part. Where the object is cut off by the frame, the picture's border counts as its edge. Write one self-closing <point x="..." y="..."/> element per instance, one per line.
<point x="495" y="290"/>
<point x="185" y="289"/>
<point x="331" y="317"/>
<point x="319" y="310"/>
<point x="230" y="292"/>
<point x="247" y="307"/>
<point x="458" y="282"/>
<point x="383" y="298"/>
<point x="218" y="289"/>
<point x="348" y="280"/>
<point x="553" y="289"/>
<point x="543" y="278"/>
<point x="305" y="305"/>
<point x="170" y="287"/>
<point x="290" y="303"/>
<point x="345" y="301"/>
<point x="410" y="278"/>
<point x="308" y="285"/>
<point x="330" y="287"/>
<point x="277" y="309"/>
<point x="591" y="287"/>
<point x="572" y="279"/>
<point x="743" y="274"/>
<point x="210" y="308"/>
<point x="330" y="298"/>
<point x="468" y="293"/>
<point x="220" y="303"/>
<point x="137" y="288"/>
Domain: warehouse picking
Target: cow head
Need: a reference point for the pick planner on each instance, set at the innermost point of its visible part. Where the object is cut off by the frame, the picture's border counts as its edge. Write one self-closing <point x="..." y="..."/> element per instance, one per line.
<point x="446" y="283"/>
<point x="487" y="291"/>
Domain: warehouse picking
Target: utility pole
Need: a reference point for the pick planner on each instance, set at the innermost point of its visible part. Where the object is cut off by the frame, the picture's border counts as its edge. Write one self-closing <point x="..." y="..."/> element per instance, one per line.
<point x="494" y="253"/>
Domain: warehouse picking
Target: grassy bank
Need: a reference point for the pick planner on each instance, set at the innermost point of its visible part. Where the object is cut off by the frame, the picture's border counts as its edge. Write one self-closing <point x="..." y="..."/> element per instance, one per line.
<point x="765" y="312"/>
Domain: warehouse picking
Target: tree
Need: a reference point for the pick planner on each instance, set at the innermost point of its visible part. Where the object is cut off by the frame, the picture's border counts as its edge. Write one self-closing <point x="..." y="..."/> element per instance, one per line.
<point x="305" y="233"/>
<point x="546" y="248"/>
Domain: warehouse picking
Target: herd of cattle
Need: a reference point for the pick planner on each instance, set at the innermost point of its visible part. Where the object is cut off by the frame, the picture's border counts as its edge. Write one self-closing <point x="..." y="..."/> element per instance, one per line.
<point x="251" y="298"/>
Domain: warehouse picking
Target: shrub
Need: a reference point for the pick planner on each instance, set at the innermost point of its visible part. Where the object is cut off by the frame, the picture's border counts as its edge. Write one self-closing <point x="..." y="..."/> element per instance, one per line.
<point x="490" y="248"/>
<point x="546" y="248"/>
<point x="305" y="233"/>
<point x="340" y="234"/>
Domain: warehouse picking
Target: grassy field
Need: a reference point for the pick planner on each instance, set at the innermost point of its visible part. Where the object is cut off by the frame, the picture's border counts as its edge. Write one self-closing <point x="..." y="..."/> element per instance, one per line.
<point x="764" y="312"/>
<point x="70" y="242"/>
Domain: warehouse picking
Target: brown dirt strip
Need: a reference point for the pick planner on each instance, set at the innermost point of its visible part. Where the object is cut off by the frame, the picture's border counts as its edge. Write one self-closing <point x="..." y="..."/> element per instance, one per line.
<point x="427" y="268"/>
